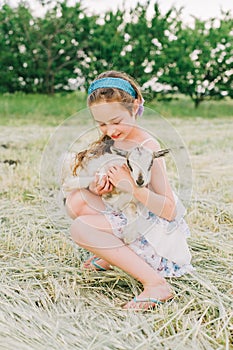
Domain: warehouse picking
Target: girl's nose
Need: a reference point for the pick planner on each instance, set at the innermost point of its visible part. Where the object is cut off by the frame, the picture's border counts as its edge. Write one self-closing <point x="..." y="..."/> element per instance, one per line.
<point x="110" y="129"/>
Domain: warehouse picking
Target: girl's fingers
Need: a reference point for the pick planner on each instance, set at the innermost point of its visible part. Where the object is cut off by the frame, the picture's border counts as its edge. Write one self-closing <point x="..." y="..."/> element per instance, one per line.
<point x="125" y="168"/>
<point x="103" y="183"/>
<point x="107" y="188"/>
<point x="112" y="169"/>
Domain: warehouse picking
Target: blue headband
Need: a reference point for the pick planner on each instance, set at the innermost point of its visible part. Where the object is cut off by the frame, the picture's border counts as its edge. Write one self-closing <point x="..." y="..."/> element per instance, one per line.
<point x="110" y="82"/>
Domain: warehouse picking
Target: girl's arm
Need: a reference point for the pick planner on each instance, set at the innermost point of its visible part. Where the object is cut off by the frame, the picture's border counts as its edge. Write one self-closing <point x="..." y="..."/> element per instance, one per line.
<point x="158" y="198"/>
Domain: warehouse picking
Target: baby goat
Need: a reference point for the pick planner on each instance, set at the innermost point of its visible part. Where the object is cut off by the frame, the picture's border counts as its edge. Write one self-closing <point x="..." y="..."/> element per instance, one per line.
<point x="139" y="161"/>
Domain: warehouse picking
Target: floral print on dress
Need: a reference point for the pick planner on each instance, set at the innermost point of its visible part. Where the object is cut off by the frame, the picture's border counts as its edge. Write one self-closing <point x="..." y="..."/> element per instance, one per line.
<point x="142" y="247"/>
<point x="117" y="220"/>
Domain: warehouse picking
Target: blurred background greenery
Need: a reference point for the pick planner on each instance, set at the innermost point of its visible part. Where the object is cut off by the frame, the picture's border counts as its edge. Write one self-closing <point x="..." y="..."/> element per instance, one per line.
<point x="39" y="109"/>
<point x="63" y="51"/>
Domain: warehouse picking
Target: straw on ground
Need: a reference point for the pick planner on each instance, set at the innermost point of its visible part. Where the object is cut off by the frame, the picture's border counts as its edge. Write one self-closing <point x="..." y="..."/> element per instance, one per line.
<point x="48" y="302"/>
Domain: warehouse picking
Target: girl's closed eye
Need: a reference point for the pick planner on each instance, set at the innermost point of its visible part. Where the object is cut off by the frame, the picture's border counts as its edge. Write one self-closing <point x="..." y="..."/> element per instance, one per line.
<point x="115" y="123"/>
<point x="118" y="121"/>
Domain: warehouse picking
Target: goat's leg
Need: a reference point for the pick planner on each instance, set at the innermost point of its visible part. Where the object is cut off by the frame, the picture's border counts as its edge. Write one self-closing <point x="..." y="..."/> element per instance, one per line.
<point x="130" y="232"/>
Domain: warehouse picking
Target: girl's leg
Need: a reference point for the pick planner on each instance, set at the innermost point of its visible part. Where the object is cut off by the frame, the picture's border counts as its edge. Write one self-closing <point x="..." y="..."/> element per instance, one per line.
<point x="83" y="202"/>
<point x="77" y="204"/>
<point x="94" y="233"/>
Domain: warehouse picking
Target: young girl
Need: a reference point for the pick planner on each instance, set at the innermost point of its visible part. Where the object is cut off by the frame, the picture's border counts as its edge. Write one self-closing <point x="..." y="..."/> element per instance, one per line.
<point x="115" y="101"/>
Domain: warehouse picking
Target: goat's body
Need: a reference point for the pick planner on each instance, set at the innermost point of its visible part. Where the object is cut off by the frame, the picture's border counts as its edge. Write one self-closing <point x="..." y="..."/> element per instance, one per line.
<point x="116" y="199"/>
<point x="87" y="173"/>
<point x="141" y="159"/>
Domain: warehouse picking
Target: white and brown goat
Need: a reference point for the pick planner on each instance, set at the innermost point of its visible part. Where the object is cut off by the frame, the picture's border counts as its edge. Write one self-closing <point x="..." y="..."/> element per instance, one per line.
<point x="139" y="161"/>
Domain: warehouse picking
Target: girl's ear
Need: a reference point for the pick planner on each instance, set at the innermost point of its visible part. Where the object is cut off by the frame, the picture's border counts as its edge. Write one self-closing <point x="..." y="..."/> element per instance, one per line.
<point x="136" y="105"/>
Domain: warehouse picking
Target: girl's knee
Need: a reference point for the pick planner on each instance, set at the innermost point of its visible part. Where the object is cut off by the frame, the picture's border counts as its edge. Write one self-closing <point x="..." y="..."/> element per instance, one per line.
<point x="82" y="202"/>
<point x="89" y="227"/>
<point x="77" y="230"/>
<point x="74" y="203"/>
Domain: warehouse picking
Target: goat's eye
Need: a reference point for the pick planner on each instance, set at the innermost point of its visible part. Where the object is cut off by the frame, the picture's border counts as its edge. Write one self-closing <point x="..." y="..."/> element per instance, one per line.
<point x="150" y="165"/>
<point x="129" y="166"/>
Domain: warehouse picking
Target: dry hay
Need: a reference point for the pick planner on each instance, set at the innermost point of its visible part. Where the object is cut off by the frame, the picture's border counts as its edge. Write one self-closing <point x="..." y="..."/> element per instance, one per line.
<point x="48" y="302"/>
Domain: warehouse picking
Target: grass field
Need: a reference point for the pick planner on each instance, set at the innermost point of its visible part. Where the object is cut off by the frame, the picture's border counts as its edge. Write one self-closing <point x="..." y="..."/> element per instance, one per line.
<point x="20" y="109"/>
<point x="48" y="302"/>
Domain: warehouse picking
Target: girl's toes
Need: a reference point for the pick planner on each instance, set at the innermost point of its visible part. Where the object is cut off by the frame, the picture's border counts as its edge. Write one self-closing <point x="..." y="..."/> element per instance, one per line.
<point x="87" y="263"/>
<point x="132" y="305"/>
<point x="129" y="305"/>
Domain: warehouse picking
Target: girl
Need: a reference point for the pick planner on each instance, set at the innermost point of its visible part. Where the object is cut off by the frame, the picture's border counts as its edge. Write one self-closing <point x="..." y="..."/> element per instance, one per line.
<point x="115" y="101"/>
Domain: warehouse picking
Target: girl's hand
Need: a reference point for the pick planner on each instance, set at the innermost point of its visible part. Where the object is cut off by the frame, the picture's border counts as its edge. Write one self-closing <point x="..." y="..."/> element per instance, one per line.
<point x="100" y="185"/>
<point x="121" y="178"/>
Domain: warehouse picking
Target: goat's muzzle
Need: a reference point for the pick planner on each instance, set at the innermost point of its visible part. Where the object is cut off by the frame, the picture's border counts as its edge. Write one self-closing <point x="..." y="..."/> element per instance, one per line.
<point x="140" y="181"/>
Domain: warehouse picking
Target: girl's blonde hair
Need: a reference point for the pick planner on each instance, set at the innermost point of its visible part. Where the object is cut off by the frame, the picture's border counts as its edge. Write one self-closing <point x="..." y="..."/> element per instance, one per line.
<point x="96" y="149"/>
<point x="113" y="94"/>
<point x="107" y="94"/>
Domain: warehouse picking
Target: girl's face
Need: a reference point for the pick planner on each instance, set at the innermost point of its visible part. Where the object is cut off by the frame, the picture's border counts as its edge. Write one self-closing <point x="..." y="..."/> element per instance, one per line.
<point x="114" y="119"/>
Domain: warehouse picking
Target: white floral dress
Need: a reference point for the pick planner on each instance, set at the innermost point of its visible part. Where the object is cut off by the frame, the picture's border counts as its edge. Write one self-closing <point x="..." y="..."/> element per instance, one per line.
<point x="142" y="247"/>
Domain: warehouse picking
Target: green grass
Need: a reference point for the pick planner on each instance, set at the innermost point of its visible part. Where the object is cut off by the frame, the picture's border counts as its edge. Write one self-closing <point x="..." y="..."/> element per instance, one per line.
<point x="21" y="109"/>
<point x="184" y="107"/>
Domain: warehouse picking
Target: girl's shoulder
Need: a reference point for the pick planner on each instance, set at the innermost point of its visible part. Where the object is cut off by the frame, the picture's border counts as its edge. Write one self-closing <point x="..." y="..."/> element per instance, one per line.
<point x="151" y="143"/>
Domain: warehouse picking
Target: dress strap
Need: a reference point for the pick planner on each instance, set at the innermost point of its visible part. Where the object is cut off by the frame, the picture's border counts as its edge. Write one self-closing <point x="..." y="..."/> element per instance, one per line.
<point x="146" y="140"/>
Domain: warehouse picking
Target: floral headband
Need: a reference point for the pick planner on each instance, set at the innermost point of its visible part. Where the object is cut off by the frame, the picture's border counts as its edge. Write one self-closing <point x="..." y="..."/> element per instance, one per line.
<point x="118" y="83"/>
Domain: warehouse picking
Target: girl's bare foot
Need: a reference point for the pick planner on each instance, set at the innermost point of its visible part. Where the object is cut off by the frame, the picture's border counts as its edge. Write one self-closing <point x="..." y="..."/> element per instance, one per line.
<point x="151" y="296"/>
<point x="88" y="264"/>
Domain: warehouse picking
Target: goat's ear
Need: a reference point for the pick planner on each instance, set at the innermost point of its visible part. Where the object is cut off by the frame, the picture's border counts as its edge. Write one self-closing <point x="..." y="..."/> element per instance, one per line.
<point x="118" y="151"/>
<point x="161" y="153"/>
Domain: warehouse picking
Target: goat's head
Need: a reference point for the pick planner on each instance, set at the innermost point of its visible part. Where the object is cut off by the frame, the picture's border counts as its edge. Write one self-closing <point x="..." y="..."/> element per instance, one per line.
<point x="140" y="161"/>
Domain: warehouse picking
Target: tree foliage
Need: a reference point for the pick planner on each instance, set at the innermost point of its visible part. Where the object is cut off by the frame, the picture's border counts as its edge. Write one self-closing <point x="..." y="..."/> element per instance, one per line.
<point x="200" y="61"/>
<point x="66" y="48"/>
<point x="15" y="58"/>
